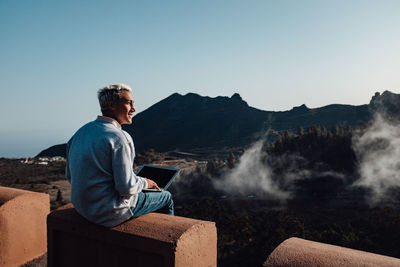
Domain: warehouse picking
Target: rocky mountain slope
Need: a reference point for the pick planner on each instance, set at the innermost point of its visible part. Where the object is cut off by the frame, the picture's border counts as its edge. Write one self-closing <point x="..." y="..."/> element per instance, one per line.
<point x="191" y="121"/>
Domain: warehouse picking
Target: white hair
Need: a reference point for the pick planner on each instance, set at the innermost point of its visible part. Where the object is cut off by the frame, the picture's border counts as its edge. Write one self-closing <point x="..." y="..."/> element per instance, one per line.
<point x="110" y="95"/>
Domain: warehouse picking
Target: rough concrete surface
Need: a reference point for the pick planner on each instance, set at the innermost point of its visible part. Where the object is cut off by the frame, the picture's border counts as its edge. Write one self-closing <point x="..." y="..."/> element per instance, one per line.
<point x="151" y="240"/>
<point x="22" y="225"/>
<point x="303" y="253"/>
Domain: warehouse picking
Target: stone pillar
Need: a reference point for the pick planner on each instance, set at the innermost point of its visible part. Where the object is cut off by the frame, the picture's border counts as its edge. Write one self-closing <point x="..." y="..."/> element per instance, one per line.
<point x="22" y="225"/>
<point x="303" y="253"/>
<point x="150" y="240"/>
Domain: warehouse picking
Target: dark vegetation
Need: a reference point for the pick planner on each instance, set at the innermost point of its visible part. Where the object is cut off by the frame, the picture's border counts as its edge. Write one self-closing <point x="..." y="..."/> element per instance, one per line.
<point x="323" y="149"/>
<point x="324" y="209"/>
<point x="34" y="177"/>
<point x="13" y="172"/>
<point x="149" y="156"/>
<point x="248" y="230"/>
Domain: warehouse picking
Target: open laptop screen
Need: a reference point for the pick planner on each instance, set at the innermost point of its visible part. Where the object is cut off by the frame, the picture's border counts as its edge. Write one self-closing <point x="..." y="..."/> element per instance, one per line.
<point x="163" y="176"/>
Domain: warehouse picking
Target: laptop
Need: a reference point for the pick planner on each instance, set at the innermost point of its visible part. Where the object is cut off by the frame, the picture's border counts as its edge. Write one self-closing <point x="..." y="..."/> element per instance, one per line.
<point x="163" y="176"/>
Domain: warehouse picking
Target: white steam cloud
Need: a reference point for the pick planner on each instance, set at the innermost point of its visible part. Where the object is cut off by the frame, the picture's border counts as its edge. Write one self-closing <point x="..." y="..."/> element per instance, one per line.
<point x="251" y="175"/>
<point x="378" y="151"/>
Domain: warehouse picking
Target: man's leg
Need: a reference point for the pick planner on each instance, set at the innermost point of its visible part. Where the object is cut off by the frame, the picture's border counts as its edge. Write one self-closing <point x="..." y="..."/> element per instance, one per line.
<point x="152" y="201"/>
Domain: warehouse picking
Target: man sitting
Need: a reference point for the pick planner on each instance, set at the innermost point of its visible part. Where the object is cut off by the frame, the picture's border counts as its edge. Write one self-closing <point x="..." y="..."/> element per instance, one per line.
<point x="104" y="188"/>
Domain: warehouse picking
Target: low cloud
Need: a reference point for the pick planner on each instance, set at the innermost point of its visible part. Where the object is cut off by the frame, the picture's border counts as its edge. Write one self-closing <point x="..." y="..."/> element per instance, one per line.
<point x="378" y="152"/>
<point x="251" y="175"/>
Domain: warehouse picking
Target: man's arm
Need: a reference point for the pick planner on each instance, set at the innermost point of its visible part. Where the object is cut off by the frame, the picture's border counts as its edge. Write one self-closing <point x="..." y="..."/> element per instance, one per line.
<point x="126" y="181"/>
<point x="151" y="184"/>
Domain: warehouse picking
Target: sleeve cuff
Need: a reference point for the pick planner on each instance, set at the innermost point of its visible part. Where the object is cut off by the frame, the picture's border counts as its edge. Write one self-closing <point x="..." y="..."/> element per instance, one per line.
<point x="145" y="184"/>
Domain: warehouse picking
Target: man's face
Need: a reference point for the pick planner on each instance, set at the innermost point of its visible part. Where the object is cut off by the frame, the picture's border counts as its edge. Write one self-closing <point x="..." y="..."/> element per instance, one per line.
<point x="123" y="111"/>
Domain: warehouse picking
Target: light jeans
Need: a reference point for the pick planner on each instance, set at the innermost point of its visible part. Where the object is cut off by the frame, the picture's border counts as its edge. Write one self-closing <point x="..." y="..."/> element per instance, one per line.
<point x="154" y="201"/>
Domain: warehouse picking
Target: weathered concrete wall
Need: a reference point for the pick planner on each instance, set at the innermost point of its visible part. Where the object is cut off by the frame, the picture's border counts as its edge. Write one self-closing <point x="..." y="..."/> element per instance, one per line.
<point x="22" y="225"/>
<point x="150" y="240"/>
<point x="303" y="253"/>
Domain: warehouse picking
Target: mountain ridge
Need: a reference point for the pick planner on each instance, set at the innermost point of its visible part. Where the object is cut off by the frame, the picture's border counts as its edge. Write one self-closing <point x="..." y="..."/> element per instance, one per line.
<point x="185" y="122"/>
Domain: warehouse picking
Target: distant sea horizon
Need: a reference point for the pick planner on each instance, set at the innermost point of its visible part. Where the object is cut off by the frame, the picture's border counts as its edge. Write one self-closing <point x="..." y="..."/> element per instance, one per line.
<point x="26" y="147"/>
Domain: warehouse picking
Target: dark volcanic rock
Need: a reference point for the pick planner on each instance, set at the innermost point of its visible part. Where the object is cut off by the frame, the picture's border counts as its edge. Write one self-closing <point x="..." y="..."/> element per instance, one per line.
<point x="386" y="103"/>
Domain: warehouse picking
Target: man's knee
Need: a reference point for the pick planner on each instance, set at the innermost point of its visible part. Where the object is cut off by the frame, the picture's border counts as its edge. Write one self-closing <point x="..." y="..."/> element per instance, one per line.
<point x="168" y="199"/>
<point x="167" y="196"/>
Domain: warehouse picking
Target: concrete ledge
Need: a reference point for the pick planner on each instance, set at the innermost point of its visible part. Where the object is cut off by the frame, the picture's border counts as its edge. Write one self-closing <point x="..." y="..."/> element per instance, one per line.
<point x="299" y="252"/>
<point x="22" y="225"/>
<point x="150" y="240"/>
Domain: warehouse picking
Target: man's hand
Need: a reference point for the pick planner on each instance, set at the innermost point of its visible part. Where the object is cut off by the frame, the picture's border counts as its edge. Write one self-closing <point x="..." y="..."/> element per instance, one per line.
<point x="151" y="184"/>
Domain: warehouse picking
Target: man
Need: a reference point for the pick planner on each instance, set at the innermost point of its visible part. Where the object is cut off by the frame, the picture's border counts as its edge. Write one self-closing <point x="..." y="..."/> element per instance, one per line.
<point x="104" y="188"/>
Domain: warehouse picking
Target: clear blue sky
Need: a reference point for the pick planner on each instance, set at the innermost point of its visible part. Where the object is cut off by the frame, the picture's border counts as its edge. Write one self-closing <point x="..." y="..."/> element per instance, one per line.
<point x="55" y="55"/>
